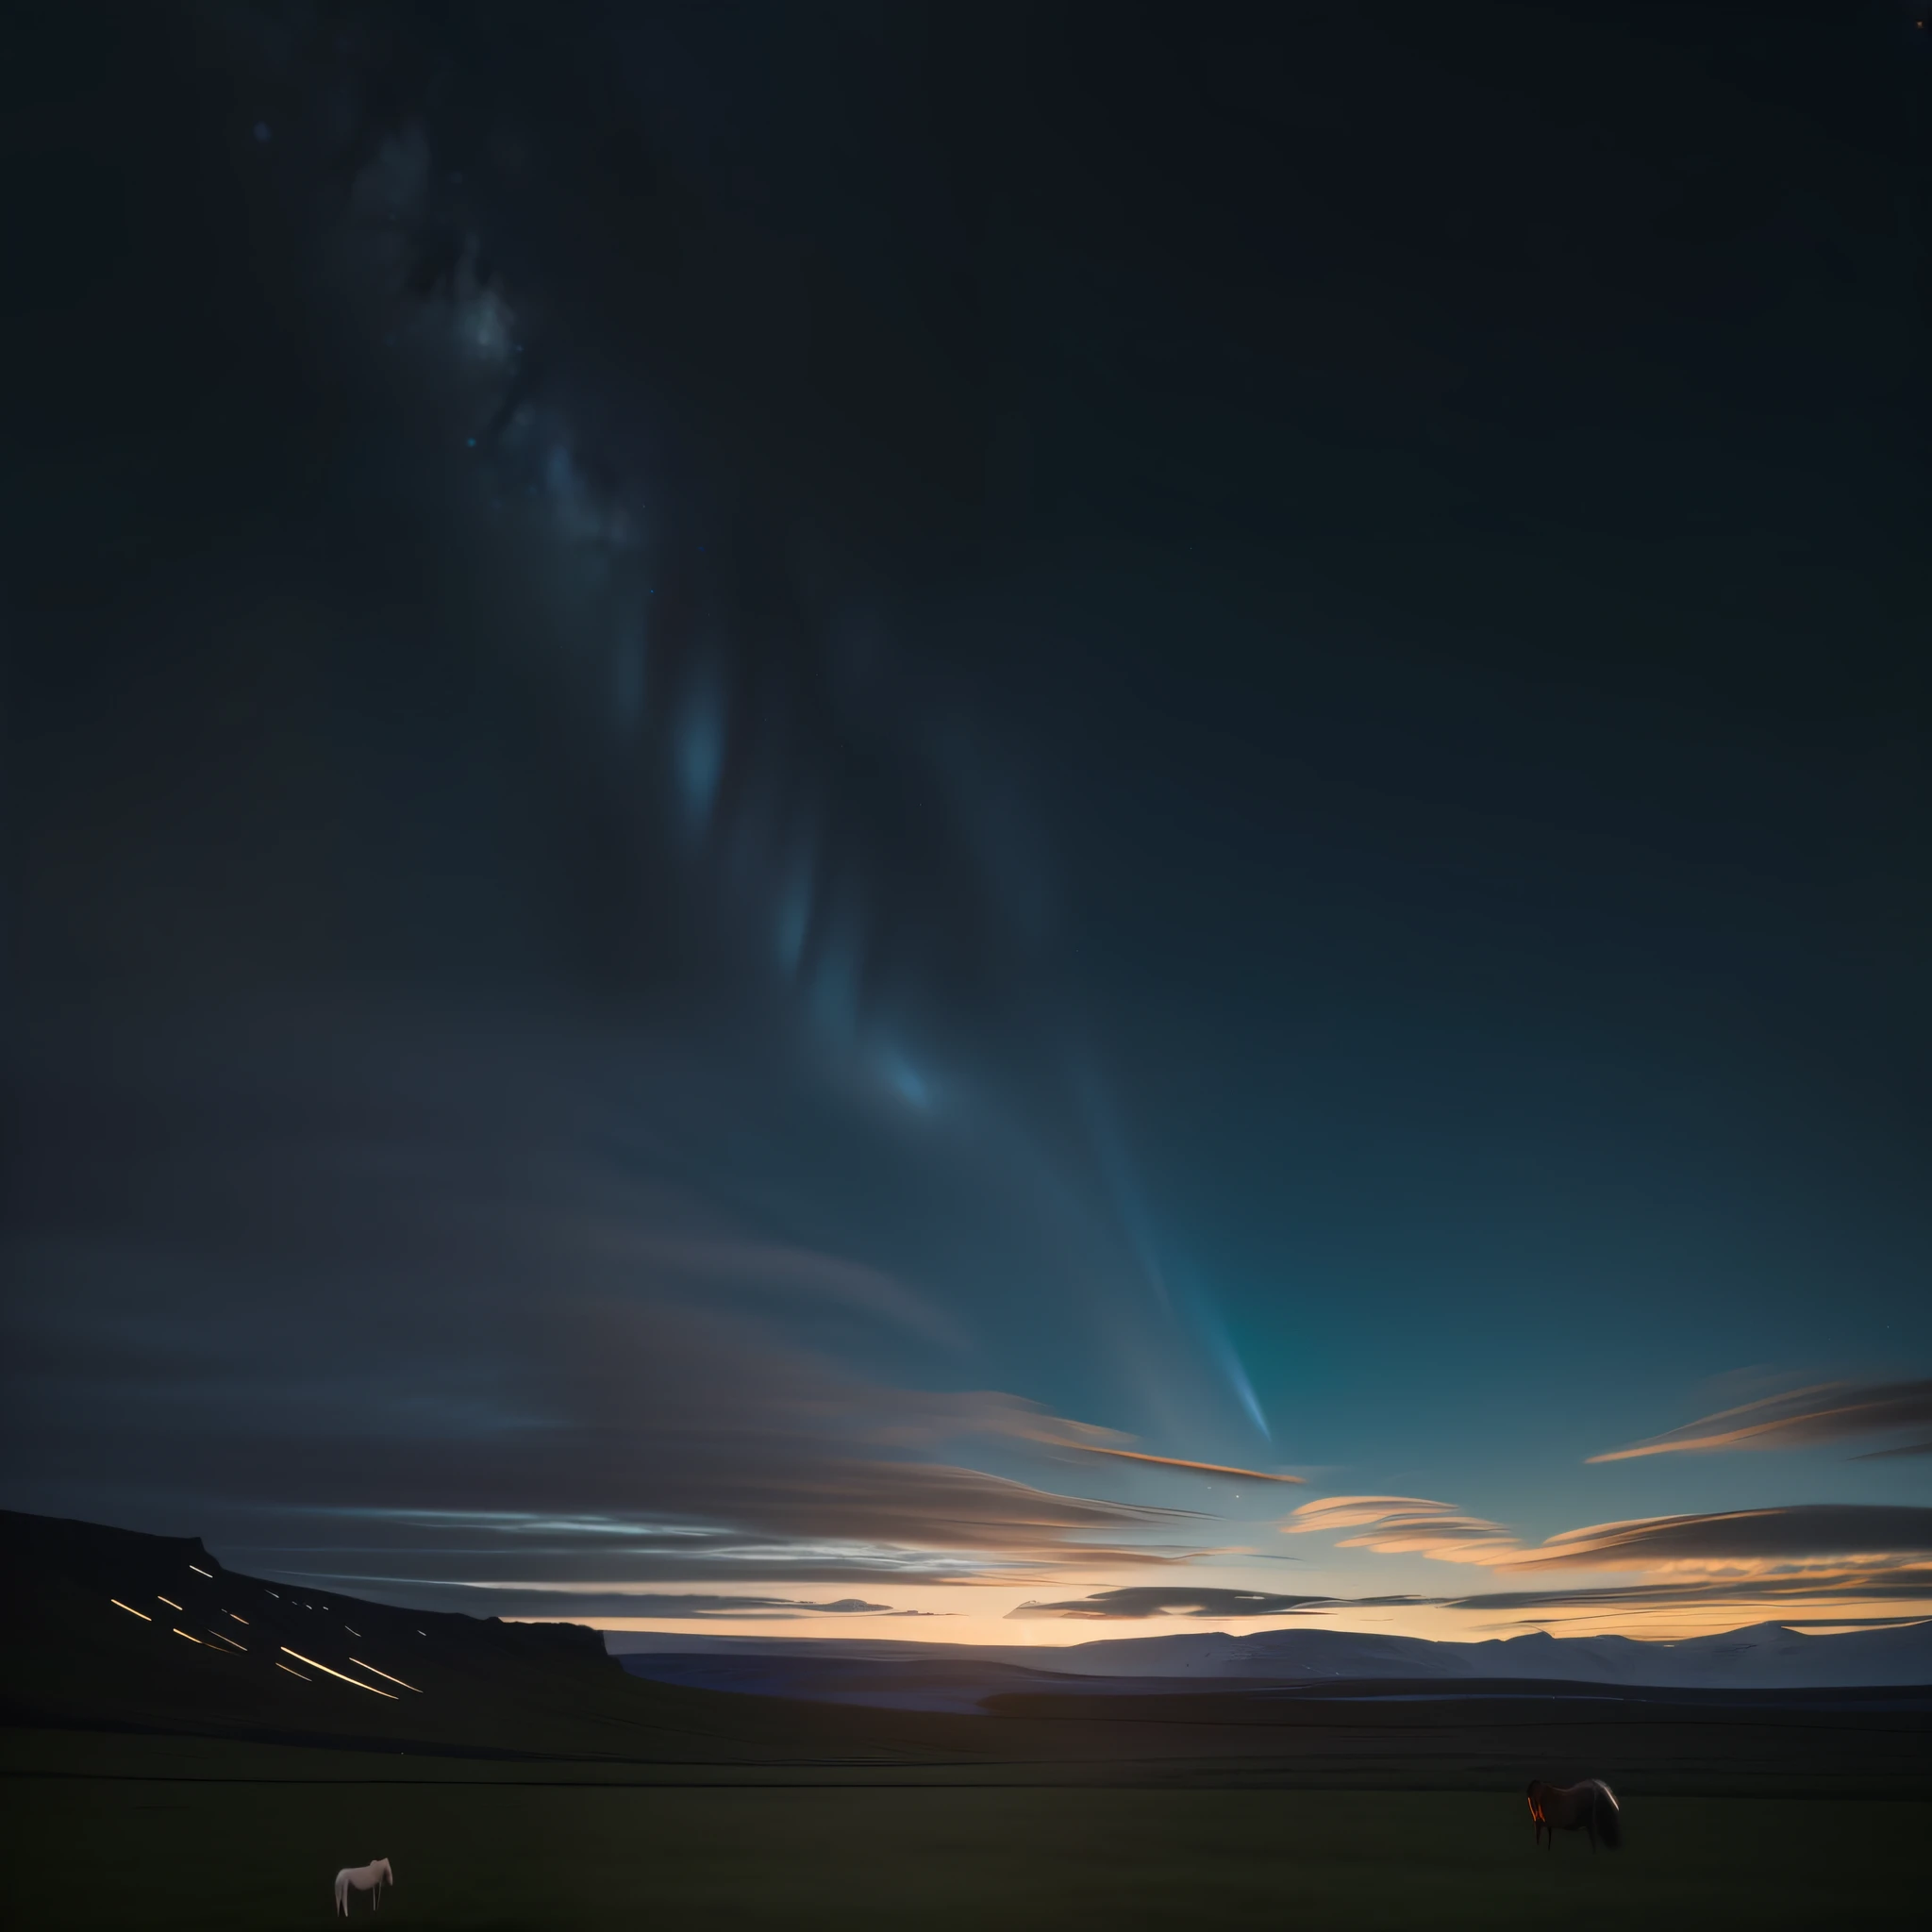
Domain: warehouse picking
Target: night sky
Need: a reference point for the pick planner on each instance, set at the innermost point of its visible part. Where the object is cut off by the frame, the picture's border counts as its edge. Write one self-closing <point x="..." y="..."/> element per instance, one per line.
<point x="792" y="793"/>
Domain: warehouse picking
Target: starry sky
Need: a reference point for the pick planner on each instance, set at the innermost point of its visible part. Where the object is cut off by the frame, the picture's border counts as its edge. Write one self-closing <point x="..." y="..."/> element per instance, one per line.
<point x="826" y="814"/>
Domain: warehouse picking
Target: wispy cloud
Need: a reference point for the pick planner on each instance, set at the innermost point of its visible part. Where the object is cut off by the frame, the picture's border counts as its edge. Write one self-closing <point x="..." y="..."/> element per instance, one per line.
<point x="1849" y="1551"/>
<point x="1407" y="1525"/>
<point x="752" y="1271"/>
<point x="684" y="1606"/>
<point x="1792" y="1534"/>
<point x="1806" y="1589"/>
<point x="992" y="1412"/>
<point x="1159" y="1600"/>
<point x="1801" y="1418"/>
<point x="1259" y="1476"/>
<point x="489" y="1351"/>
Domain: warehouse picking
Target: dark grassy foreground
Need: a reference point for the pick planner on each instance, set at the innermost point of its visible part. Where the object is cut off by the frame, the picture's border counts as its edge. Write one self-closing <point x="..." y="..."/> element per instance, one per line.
<point x="162" y="1770"/>
<point x="481" y="1853"/>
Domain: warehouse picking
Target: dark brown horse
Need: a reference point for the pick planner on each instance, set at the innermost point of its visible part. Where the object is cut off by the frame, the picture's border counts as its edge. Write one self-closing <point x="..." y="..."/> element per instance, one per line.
<point x="1589" y="1807"/>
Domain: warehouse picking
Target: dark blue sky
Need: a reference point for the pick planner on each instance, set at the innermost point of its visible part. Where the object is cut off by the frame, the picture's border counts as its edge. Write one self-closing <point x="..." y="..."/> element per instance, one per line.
<point x="774" y="772"/>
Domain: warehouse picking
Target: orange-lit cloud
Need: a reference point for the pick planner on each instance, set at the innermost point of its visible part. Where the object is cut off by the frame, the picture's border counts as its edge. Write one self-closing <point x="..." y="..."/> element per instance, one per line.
<point x="1800" y="1418"/>
<point x="992" y="1412"/>
<point x="1830" y="1549"/>
<point x="1796" y="1534"/>
<point x="1770" y="1591"/>
<point x="1260" y="1475"/>
<point x="1407" y="1525"/>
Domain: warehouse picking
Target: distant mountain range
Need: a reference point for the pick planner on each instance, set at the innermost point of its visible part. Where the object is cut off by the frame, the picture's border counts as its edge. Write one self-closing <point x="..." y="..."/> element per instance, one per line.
<point x="918" y="1677"/>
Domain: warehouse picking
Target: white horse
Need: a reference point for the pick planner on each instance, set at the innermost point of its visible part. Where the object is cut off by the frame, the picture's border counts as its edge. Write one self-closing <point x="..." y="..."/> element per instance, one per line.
<point x="364" y="1878"/>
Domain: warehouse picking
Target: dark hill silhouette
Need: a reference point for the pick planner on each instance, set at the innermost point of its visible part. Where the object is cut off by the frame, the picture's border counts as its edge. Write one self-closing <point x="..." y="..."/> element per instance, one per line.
<point x="109" y="1628"/>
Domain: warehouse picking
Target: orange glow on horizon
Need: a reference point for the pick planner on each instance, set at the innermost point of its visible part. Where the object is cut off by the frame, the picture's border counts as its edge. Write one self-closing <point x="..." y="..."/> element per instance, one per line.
<point x="976" y="1615"/>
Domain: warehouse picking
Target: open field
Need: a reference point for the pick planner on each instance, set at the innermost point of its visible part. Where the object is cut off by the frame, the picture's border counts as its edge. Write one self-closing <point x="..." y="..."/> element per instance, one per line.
<point x="521" y="1779"/>
<point x="484" y="1852"/>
